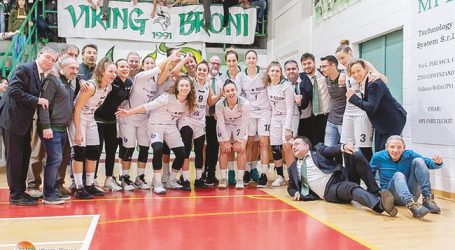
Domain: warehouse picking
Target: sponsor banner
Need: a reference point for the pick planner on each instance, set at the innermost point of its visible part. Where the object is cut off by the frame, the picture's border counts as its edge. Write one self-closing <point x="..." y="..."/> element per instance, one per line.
<point x="126" y="21"/>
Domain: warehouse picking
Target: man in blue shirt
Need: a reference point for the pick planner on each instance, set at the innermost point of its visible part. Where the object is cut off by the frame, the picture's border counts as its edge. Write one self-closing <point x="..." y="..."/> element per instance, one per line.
<point x="406" y="175"/>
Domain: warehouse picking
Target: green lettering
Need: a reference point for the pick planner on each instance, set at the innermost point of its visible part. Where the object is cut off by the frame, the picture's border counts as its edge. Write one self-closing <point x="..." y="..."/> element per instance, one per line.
<point x="213" y="28"/>
<point x="123" y="16"/>
<point x="245" y="24"/>
<point x="84" y="10"/>
<point x="98" y="18"/>
<point x="236" y="23"/>
<point x="185" y="20"/>
<point x="133" y="22"/>
<point x="427" y="5"/>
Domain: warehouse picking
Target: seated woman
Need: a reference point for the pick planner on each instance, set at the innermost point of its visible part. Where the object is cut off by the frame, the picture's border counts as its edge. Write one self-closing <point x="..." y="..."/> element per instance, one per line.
<point x="387" y="116"/>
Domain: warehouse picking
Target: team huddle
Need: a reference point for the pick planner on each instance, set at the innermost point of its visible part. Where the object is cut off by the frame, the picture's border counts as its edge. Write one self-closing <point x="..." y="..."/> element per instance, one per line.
<point x="237" y="119"/>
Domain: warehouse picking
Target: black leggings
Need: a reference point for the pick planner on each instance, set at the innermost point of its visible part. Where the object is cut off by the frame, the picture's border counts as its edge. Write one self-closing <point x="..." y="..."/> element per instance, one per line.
<point x="108" y="134"/>
<point x="212" y="149"/>
<point x="187" y="136"/>
<point x="179" y="153"/>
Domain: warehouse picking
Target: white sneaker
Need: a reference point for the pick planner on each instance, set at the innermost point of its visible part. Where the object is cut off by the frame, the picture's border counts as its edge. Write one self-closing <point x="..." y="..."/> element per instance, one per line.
<point x="127" y="184"/>
<point x="239" y="184"/>
<point x="223" y="183"/>
<point x="279" y="181"/>
<point x="35" y="193"/>
<point x="158" y="188"/>
<point x="165" y="175"/>
<point x="97" y="186"/>
<point x="140" y="183"/>
<point x="172" y="184"/>
<point x="111" y="184"/>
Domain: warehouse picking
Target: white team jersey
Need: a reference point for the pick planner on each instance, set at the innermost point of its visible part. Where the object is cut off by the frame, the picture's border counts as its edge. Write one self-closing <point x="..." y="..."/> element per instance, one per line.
<point x="255" y="92"/>
<point x="143" y="90"/>
<point x="198" y="115"/>
<point x="238" y="116"/>
<point x="164" y="87"/>
<point x="167" y="109"/>
<point x="351" y="109"/>
<point x="88" y="110"/>
<point x="281" y="99"/>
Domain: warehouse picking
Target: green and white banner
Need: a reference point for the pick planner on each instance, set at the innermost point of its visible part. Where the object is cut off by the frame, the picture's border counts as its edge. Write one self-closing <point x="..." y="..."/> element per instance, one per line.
<point x="179" y="24"/>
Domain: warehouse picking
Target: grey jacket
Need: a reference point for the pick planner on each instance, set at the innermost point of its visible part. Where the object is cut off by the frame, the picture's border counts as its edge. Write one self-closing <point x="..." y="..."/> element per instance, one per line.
<point x="58" y="91"/>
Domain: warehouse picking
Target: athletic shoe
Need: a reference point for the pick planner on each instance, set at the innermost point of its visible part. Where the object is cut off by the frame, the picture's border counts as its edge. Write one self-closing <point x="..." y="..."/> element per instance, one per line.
<point x="165" y="176"/>
<point x="239" y="184"/>
<point x="158" y="188"/>
<point x="172" y="184"/>
<point x="387" y="201"/>
<point x="62" y="190"/>
<point x="254" y="174"/>
<point x="262" y="182"/>
<point x="127" y="184"/>
<point x="429" y="203"/>
<point x="222" y="184"/>
<point x="231" y="178"/>
<point x="185" y="185"/>
<point x="94" y="191"/>
<point x="82" y="194"/>
<point x="97" y="186"/>
<point x="73" y="187"/>
<point x="246" y="177"/>
<point x="112" y="184"/>
<point x="418" y="211"/>
<point x="140" y="183"/>
<point x="64" y="196"/>
<point x="23" y="200"/>
<point x="199" y="183"/>
<point x="35" y="193"/>
<point x="210" y="181"/>
<point x="279" y="181"/>
<point x="53" y="200"/>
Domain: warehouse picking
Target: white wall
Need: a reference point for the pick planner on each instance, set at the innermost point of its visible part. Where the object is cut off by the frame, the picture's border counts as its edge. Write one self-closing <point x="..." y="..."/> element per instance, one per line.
<point x="294" y="31"/>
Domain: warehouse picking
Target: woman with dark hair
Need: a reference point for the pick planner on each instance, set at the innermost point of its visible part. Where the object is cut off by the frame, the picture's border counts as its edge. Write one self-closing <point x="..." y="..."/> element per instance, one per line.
<point x="385" y="113"/>
<point x="83" y="131"/>
<point x="162" y="127"/>
<point x="232" y="115"/>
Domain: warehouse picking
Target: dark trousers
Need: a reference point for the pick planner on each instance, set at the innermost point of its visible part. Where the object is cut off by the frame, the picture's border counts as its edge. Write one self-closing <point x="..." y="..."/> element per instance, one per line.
<point x="319" y="122"/>
<point x="207" y="12"/>
<point x="341" y="191"/>
<point x="17" y="152"/>
<point x="305" y="126"/>
<point x="66" y="159"/>
<point x="212" y="148"/>
<point x="358" y="168"/>
<point x="108" y="138"/>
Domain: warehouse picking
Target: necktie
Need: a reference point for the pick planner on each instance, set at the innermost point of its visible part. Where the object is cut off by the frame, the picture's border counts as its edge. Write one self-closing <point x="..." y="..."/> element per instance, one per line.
<point x="315" y="101"/>
<point x="305" y="190"/>
<point x="297" y="88"/>
<point x="213" y="86"/>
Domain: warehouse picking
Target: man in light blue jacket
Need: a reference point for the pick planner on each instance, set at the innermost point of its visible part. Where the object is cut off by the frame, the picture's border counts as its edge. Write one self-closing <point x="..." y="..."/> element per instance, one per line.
<point x="406" y="175"/>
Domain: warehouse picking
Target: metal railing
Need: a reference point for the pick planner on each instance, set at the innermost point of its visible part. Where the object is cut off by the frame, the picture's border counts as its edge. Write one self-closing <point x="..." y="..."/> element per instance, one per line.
<point x="7" y="60"/>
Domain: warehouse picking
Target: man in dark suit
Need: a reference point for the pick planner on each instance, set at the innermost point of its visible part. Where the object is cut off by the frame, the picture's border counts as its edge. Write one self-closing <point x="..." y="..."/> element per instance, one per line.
<point x="315" y="175"/>
<point x="17" y="108"/>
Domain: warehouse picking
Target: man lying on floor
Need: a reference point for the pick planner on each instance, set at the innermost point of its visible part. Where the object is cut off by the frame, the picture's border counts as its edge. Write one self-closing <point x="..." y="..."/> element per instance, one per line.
<point x="316" y="175"/>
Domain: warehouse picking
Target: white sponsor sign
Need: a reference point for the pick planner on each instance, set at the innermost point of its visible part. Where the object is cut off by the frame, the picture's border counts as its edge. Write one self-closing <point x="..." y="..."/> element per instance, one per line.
<point x="433" y="72"/>
<point x="179" y="24"/>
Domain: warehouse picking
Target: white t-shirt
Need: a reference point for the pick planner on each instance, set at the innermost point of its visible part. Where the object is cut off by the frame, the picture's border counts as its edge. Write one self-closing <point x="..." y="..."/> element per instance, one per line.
<point x="281" y="98"/>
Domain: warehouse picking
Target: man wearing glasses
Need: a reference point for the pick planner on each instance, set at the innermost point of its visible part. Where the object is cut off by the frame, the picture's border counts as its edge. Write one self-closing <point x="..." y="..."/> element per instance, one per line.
<point x="17" y="108"/>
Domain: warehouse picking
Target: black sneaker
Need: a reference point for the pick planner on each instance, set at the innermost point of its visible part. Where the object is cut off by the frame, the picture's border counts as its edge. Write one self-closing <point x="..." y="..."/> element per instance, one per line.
<point x="429" y="203"/>
<point x="185" y="185"/>
<point x="262" y="182"/>
<point x="199" y="183"/>
<point x="418" y="211"/>
<point x="246" y="177"/>
<point x="94" y="191"/>
<point x="53" y="200"/>
<point x="82" y="194"/>
<point x="387" y="201"/>
<point x="63" y="196"/>
<point x="211" y="181"/>
<point x="23" y="200"/>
